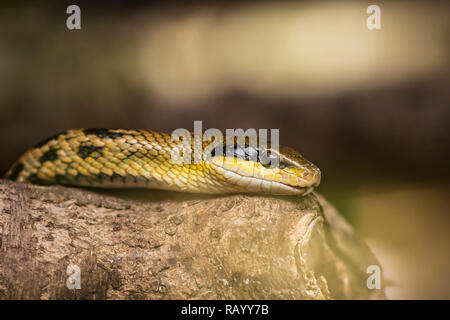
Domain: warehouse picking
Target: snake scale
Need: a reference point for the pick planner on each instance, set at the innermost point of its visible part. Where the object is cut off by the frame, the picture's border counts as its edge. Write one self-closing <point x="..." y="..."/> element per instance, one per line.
<point x="122" y="158"/>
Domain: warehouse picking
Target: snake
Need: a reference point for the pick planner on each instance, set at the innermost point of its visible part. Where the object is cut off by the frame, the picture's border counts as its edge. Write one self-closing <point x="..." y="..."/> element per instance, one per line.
<point x="129" y="158"/>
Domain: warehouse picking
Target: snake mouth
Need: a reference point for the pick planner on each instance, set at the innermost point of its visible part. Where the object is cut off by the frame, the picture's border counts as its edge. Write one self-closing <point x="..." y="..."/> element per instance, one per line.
<point x="279" y="188"/>
<point x="299" y="190"/>
<point x="307" y="187"/>
<point x="244" y="183"/>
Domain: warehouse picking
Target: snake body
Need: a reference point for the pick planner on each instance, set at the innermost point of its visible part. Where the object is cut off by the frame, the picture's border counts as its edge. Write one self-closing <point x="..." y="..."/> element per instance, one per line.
<point x="122" y="158"/>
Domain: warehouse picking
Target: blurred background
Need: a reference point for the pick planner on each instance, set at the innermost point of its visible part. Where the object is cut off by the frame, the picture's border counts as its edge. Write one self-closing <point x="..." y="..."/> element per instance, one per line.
<point x="370" y="107"/>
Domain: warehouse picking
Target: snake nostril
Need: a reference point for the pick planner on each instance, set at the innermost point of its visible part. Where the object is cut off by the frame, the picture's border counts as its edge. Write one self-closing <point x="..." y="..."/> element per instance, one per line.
<point x="305" y="174"/>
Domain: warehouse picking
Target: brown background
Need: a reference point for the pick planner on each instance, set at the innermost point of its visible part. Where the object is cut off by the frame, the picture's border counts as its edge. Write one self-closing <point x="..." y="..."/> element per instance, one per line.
<point x="370" y="108"/>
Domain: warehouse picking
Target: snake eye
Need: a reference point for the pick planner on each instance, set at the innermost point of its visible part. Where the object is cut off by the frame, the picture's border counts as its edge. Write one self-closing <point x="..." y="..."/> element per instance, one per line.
<point x="269" y="159"/>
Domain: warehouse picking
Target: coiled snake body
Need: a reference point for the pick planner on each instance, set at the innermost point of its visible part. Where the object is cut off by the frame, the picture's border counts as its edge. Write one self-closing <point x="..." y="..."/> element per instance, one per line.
<point x="120" y="158"/>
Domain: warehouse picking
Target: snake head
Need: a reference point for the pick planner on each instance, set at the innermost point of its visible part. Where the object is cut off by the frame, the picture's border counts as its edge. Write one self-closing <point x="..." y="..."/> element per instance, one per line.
<point x="297" y="172"/>
<point x="287" y="173"/>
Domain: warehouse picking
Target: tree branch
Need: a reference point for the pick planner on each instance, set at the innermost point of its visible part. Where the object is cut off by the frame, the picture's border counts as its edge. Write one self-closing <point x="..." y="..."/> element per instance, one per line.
<point x="163" y="245"/>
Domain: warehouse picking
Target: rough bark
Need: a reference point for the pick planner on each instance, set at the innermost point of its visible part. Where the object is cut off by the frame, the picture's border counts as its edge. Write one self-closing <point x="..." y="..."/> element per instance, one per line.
<point x="163" y="245"/>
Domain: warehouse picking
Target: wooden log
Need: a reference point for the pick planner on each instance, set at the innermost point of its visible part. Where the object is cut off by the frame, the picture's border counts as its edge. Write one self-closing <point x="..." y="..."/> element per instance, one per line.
<point x="164" y="245"/>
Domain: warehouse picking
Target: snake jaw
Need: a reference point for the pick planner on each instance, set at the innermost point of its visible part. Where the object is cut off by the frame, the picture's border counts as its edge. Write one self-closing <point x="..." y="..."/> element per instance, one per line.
<point x="262" y="180"/>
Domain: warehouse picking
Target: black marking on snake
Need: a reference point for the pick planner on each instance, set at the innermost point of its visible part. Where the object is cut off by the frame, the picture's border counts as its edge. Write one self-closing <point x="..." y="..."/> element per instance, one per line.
<point x="86" y="150"/>
<point x="104" y="133"/>
<point x="33" y="178"/>
<point x="53" y="137"/>
<point x="18" y="167"/>
<point x="102" y="176"/>
<point x="116" y="176"/>
<point x="130" y="154"/>
<point x="50" y="155"/>
<point x="60" y="179"/>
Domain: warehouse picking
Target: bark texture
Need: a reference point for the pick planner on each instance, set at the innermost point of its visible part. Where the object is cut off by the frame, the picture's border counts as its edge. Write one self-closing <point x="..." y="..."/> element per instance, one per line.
<point x="162" y="245"/>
